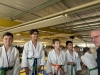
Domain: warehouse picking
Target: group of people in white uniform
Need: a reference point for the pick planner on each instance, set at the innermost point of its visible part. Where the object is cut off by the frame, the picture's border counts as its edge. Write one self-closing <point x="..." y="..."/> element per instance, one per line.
<point x="33" y="58"/>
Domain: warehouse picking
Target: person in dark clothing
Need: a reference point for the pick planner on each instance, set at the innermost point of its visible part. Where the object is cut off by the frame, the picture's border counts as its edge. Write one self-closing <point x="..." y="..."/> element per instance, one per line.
<point x="95" y="37"/>
<point x="98" y="60"/>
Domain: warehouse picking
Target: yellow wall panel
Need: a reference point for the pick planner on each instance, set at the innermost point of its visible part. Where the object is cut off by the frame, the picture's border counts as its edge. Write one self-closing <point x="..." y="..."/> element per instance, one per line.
<point x="8" y="23"/>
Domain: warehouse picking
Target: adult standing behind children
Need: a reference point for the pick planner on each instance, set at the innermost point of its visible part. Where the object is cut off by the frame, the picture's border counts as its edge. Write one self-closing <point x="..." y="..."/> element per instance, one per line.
<point x="33" y="56"/>
<point x="9" y="56"/>
<point x="72" y="59"/>
<point x="56" y="63"/>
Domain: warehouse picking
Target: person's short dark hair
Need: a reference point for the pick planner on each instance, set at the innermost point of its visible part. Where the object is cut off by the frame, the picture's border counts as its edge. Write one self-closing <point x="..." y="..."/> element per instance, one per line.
<point x="76" y="46"/>
<point x="33" y="30"/>
<point x="55" y="40"/>
<point x="85" y="49"/>
<point x="67" y="42"/>
<point x="8" y="34"/>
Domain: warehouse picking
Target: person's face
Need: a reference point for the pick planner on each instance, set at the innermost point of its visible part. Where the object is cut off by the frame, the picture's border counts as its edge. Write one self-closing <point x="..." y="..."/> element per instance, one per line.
<point x="70" y="46"/>
<point x="89" y="51"/>
<point x="95" y="37"/>
<point x="56" y="44"/>
<point x="7" y="40"/>
<point x="77" y="50"/>
<point x="34" y="36"/>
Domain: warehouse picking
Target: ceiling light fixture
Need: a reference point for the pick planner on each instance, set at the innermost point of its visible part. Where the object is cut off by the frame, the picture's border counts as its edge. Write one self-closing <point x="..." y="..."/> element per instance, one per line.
<point x="18" y="41"/>
<point x="44" y="42"/>
<point x="17" y="34"/>
<point x="65" y="15"/>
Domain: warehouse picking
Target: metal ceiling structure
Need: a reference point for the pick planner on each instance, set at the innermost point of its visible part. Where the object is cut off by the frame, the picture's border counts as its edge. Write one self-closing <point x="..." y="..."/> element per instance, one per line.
<point x="54" y="18"/>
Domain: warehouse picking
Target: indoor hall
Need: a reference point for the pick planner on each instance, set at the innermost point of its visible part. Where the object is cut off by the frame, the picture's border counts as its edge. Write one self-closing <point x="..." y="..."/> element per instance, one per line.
<point x="63" y="19"/>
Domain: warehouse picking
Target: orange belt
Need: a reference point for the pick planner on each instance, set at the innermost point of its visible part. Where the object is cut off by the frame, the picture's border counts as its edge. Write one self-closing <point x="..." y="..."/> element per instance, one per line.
<point x="57" y="67"/>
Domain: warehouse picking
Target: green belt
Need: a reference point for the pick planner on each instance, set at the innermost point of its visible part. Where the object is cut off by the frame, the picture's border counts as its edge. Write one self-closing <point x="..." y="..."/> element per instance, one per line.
<point x="72" y="67"/>
<point x="29" y="58"/>
<point x="2" y="72"/>
<point x="93" y="69"/>
<point x="4" y="69"/>
<point x="34" y="69"/>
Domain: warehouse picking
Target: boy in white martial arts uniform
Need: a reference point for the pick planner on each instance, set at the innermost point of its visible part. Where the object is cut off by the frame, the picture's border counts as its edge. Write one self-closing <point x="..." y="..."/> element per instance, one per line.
<point x="56" y="63"/>
<point x="72" y="59"/>
<point x="33" y="56"/>
<point x="9" y="56"/>
<point x="89" y="60"/>
<point x="77" y="49"/>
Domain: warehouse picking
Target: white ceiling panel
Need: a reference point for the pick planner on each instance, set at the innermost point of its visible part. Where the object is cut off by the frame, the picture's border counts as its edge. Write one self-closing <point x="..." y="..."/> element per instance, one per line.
<point x="7" y="12"/>
<point x="23" y="4"/>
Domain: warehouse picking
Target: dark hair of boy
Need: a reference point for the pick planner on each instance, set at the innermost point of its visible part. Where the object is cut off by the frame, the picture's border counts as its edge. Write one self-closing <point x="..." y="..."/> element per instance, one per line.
<point x="8" y="34"/>
<point x="33" y="30"/>
<point x="55" y="40"/>
<point x="76" y="46"/>
<point x="67" y="42"/>
<point x="85" y="49"/>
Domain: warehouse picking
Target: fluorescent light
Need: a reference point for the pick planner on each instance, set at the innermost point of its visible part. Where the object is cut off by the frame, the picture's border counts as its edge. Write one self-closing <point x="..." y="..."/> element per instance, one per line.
<point x="44" y="42"/>
<point x="18" y="34"/>
<point x="66" y="15"/>
<point x="18" y="41"/>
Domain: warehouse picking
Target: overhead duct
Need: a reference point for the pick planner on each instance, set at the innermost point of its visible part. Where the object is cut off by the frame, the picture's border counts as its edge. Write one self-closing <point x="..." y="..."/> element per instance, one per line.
<point x="49" y="20"/>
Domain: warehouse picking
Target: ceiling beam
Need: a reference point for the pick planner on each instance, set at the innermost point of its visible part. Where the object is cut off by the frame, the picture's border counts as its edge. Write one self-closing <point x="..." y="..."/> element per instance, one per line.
<point x="60" y="31"/>
<point x="54" y="30"/>
<point x="82" y="25"/>
<point x="47" y="30"/>
<point x="87" y="18"/>
<point x="81" y="39"/>
<point x="28" y="35"/>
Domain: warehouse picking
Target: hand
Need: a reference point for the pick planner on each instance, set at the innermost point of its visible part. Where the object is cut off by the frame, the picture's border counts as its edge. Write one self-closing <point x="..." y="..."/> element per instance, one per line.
<point x="63" y="72"/>
<point x="27" y="70"/>
<point x="39" y="68"/>
<point x="83" y="66"/>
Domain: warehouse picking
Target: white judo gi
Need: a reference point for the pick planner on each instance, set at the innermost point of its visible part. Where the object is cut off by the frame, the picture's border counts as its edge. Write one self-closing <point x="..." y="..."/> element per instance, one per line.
<point x="31" y="52"/>
<point x="58" y="60"/>
<point x="73" y="58"/>
<point x="10" y="59"/>
<point x="89" y="60"/>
